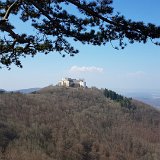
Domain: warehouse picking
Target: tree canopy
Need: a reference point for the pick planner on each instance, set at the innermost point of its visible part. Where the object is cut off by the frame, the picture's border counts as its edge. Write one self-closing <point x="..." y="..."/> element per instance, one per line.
<point x="54" y="23"/>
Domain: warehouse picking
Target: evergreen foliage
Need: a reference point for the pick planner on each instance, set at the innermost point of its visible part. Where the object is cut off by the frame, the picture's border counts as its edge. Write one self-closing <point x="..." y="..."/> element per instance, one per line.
<point x="124" y="101"/>
<point x="54" y="23"/>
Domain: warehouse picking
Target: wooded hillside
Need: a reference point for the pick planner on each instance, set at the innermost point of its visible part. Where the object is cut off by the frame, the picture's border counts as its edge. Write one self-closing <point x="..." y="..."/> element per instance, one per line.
<point x="76" y="124"/>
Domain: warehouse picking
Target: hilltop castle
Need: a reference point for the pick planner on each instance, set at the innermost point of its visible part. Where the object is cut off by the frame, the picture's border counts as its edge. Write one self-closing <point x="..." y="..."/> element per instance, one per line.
<point x="69" y="82"/>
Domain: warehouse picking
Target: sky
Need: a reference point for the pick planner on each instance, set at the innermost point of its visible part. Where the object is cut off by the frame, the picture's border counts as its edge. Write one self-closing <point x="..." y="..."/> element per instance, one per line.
<point x="134" y="68"/>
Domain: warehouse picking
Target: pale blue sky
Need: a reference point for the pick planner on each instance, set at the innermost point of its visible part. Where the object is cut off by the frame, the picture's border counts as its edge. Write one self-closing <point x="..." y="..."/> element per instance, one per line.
<point x="135" y="67"/>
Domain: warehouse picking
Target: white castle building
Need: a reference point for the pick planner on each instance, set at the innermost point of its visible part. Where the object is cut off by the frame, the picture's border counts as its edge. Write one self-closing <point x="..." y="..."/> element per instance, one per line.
<point x="69" y="82"/>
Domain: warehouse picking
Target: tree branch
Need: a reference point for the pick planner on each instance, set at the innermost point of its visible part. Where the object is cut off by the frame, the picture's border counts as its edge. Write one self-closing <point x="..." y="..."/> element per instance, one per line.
<point x="9" y="10"/>
<point x="95" y="14"/>
<point x="91" y="12"/>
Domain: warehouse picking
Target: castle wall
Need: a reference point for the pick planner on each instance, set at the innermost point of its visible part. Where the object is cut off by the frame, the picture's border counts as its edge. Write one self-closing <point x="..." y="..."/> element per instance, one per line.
<point x="68" y="82"/>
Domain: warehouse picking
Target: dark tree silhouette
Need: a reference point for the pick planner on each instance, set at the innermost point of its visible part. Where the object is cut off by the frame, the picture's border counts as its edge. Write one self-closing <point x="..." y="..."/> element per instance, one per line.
<point x="92" y="22"/>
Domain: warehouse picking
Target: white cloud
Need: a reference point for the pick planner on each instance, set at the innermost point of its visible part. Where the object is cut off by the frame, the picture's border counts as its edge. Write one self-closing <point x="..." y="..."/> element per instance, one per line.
<point x="84" y="69"/>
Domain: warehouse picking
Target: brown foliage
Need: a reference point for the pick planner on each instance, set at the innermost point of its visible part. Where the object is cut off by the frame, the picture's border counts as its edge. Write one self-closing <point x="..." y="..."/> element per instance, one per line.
<point x="67" y="124"/>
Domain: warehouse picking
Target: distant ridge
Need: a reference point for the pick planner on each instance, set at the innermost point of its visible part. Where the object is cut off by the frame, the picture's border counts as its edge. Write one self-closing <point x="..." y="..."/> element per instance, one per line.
<point x="150" y="97"/>
<point x="2" y="91"/>
<point x="27" y="91"/>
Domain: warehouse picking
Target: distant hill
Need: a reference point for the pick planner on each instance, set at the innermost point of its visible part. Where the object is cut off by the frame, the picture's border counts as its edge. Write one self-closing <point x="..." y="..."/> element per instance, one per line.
<point x="57" y="123"/>
<point x="150" y="97"/>
<point x="2" y="91"/>
<point x="26" y="91"/>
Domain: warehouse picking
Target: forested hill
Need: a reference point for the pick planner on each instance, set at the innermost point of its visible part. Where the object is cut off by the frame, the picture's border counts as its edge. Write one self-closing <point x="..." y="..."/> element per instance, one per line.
<point x="77" y="124"/>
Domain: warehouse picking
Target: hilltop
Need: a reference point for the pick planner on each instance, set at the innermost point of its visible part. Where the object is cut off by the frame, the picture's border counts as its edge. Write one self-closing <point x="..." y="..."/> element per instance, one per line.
<point x="58" y="123"/>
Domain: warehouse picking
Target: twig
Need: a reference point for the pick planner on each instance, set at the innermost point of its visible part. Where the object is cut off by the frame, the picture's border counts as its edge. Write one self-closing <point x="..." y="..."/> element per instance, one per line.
<point x="5" y="18"/>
